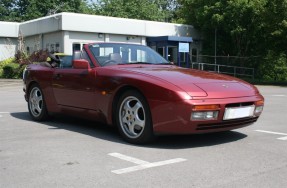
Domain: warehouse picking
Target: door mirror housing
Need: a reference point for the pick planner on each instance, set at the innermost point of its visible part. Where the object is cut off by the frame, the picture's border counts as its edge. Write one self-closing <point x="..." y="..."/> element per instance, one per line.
<point x="80" y="64"/>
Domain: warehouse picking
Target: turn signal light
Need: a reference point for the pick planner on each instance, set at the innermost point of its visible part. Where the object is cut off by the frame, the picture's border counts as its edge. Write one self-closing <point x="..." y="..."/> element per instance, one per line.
<point x="206" y="107"/>
<point x="259" y="103"/>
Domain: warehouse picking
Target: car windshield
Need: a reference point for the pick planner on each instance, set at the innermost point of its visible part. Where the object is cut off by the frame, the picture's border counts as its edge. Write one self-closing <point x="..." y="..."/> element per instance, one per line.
<point x="116" y="53"/>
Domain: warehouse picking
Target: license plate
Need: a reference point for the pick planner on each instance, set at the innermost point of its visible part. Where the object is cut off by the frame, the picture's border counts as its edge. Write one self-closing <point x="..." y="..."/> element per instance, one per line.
<point x="238" y="112"/>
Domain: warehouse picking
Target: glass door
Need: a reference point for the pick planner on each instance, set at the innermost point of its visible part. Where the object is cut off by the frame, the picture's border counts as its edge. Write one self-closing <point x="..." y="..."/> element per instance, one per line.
<point x="172" y="55"/>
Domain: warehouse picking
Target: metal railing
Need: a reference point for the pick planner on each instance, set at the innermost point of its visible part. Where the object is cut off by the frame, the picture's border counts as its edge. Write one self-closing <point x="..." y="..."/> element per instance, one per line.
<point x="225" y="69"/>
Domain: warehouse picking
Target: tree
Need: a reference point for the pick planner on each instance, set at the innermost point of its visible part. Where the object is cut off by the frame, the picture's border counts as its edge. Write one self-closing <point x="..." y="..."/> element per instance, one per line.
<point x="275" y="25"/>
<point x="169" y="8"/>
<point x="7" y="10"/>
<point x="245" y="28"/>
<point x="274" y="33"/>
<point x="237" y="23"/>
<point x="23" y="10"/>
<point x="156" y="10"/>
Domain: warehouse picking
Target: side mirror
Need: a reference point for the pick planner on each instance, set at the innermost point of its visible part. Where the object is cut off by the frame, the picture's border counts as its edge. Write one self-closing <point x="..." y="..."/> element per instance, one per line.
<point x="80" y="64"/>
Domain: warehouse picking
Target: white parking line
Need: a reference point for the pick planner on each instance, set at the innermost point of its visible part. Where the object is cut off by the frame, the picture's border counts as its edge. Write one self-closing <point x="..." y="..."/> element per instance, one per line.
<point x="141" y="164"/>
<point x="282" y="138"/>
<point x="127" y="158"/>
<point x="3" y="113"/>
<point x="278" y="95"/>
<point x="277" y="133"/>
<point x="10" y="84"/>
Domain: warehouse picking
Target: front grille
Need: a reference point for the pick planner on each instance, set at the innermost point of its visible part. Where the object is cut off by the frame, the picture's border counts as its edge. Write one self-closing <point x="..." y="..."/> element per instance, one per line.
<point x="239" y="104"/>
<point x="228" y="123"/>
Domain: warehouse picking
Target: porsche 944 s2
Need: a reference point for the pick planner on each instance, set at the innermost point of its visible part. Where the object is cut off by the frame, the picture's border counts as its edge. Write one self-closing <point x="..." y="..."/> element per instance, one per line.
<point x="134" y="88"/>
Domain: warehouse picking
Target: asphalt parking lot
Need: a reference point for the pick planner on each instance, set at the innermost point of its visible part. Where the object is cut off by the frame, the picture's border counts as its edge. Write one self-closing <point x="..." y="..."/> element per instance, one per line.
<point x="67" y="152"/>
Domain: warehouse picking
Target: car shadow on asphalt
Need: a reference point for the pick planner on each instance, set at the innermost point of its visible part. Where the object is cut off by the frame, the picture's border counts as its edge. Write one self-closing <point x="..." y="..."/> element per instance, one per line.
<point x="104" y="132"/>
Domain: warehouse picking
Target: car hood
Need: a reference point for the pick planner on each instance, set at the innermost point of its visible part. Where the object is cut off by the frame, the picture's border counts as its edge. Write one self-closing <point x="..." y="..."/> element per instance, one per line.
<point x="197" y="83"/>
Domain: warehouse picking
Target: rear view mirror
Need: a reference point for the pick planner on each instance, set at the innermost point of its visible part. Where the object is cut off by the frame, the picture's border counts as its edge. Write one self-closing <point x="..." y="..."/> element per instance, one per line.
<point x="80" y="64"/>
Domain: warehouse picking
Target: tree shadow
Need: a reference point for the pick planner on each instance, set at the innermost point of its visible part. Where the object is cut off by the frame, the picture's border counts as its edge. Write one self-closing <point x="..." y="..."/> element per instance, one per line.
<point x="104" y="132"/>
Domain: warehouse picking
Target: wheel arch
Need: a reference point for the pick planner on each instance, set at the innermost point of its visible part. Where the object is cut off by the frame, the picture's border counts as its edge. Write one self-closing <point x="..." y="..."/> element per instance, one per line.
<point x="117" y="96"/>
<point x="145" y="134"/>
<point x="39" y="113"/>
<point x="50" y="100"/>
<point x="30" y="85"/>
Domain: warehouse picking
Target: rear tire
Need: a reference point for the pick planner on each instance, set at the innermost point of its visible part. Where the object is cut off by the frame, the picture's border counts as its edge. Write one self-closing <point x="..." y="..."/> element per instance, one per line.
<point x="36" y="103"/>
<point x="133" y="118"/>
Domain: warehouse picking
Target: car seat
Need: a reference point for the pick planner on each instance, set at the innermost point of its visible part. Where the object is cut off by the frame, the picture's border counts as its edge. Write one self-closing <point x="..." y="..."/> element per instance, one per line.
<point x="116" y="57"/>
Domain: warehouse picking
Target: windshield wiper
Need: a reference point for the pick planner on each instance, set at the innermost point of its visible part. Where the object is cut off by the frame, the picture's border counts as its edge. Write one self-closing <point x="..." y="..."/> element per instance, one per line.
<point x="163" y="64"/>
<point x="146" y="63"/>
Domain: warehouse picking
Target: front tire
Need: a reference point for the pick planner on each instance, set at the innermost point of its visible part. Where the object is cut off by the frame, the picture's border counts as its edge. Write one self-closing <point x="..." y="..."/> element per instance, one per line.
<point x="36" y="103"/>
<point x="133" y="118"/>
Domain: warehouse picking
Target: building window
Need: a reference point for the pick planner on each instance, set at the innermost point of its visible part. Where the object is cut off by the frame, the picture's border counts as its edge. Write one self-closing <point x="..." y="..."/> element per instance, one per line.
<point x="52" y="48"/>
<point x="57" y="47"/>
<point x="48" y="47"/>
<point x="28" y="50"/>
<point x="76" y="47"/>
<point x="160" y="50"/>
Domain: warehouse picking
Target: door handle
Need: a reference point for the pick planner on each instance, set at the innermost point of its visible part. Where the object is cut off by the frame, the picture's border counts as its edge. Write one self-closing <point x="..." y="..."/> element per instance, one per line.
<point x="58" y="76"/>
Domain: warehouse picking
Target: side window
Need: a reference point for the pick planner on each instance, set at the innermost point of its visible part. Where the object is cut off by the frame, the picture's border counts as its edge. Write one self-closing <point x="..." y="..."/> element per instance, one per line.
<point x="66" y="62"/>
<point x="85" y="56"/>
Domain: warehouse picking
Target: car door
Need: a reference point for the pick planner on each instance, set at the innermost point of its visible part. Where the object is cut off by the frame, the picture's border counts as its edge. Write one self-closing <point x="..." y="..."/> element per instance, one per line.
<point x="74" y="87"/>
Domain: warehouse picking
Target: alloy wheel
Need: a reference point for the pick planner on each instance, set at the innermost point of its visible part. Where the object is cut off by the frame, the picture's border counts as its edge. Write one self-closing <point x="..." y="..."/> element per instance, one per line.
<point x="36" y="102"/>
<point x="132" y="117"/>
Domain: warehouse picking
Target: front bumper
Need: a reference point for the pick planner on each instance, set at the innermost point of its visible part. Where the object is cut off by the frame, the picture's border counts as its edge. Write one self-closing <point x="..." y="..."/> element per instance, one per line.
<point x="174" y="117"/>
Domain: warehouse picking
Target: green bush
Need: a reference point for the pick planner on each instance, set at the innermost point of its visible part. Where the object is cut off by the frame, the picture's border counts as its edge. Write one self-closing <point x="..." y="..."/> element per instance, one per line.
<point x="4" y="63"/>
<point x="14" y="67"/>
<point x="10" y="70"/>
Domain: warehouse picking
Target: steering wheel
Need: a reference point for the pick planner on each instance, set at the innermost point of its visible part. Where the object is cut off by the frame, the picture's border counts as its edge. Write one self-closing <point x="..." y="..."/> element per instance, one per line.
<point x="54" y="57"/>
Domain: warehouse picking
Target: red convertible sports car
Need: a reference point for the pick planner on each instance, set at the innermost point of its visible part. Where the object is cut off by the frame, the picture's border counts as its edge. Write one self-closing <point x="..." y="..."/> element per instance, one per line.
<point x="134" y="88"/>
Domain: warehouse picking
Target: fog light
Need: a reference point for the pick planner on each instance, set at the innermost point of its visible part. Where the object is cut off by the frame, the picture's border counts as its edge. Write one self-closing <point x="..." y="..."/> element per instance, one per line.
<point x="258" y="109"/>
<point x="206" y="115"/>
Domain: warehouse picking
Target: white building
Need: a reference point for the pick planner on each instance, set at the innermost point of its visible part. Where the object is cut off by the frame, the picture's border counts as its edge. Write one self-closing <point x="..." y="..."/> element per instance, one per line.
<point x="8" y="39"/>
<point x="66" y="32"/>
